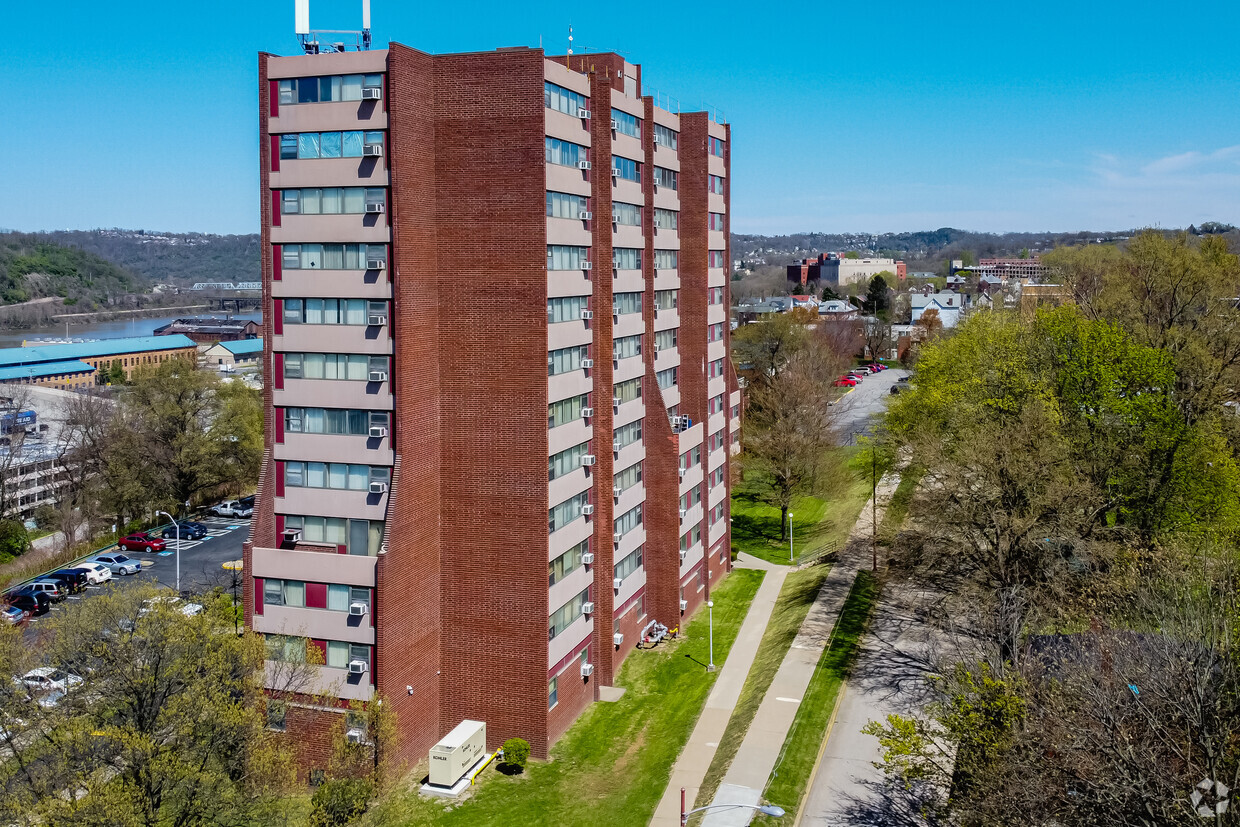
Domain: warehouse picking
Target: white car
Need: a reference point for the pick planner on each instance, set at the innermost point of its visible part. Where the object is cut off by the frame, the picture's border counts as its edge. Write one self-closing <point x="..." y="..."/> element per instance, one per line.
<point x="118" y="563"/>
<point x="49" y="679"/>
<point x="173" y="602"/>
<point x="96" y="573"/>
<point x="231" y="508"/>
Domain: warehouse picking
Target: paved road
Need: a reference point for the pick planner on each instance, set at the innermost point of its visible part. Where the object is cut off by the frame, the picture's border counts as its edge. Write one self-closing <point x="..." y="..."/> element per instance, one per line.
<point x="857" y="410"/>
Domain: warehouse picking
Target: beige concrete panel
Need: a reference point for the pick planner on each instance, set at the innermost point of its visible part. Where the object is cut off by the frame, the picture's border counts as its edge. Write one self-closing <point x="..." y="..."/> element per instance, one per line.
<point x="634" y="106"/>
<point x="714" y="422"/>
<point x="716" y="386"/>
<point x="347" y="229"/>
<point x="568" y="127"/>
<point x="632" y="453"/>
<point x="671" y="396"/>
<point x="692" y="477"/>
<point x="626" y="369"/>
<point x="325" y="502"/>
<point x="630" y="324"/>
<point x="630" y="541"/>
<point x="626" y="235"/>
<point x="570" y="231"/>
<point x="568" y="435"/>
<point x="666" y="158"/>
<point x="330" y="172"/>
<point x="334" y="393"/>
<point x="570" y="640"/>
<point x="716" y="313"/>
<point x="569" y="179"/>
<point x="716" y="166"/>
<point x="666" y="198"/>
<point x="715" y="203"/>
<point x="332" y="284"/>
<point x="566" y="334"/>
<point x="692" y="517"/>
<point x="329" y="117"/>
<point x="666" y="359"/>
<point x="570" y="535"/>
<point x="569" y="587"/>
<point x="328" y="63"/>
<point x="626" y="146"/>
<point x="625" y="190"/>
<point x="320" y="624"/>
<point x="332" y="448"/>
<point x="716" y="277"/>
<point x="563" y="487"/>
<point x="666" y="239"/>
<point x="564" y="385"/>
<point x="628" y="281"/>
<point x="716" y="240"/>
<point x="628" y="412"/>
<point x="666" y="280"/>
<point x="562" y="283"/>
<point x="718" y="493"/>
<point x="716" y="350"/>
<point x="666" y="319"/>
<point x="629" y="498"/>
<point x="668" y="119"/>
<point x="314" y="566"/>
<point x="561" y="75"/>
<point x="631" y="585"/>
<point x="326" y="681"/>
<point x="333" y="338"/>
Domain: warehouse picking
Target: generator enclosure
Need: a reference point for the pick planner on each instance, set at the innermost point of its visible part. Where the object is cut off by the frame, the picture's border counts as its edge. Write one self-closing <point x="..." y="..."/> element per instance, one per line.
<point x="459" y="750"/>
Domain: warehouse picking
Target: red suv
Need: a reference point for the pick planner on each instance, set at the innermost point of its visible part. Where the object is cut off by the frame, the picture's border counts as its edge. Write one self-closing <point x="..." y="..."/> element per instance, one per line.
<point x="142" y="542"/>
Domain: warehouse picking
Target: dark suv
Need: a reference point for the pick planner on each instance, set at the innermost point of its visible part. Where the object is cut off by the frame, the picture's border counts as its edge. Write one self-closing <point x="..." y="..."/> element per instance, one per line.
<point x="190" y="530"/>
<point x="33" y="603"/>
<point x="74" y="579"/>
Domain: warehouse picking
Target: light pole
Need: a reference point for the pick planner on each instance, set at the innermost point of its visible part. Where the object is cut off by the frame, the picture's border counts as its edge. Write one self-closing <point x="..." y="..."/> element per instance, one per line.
<point x="773" y="810"/>
<point x="178" y="530"/>
<point x="791" y="560"/>
<point x="710" y="614"/>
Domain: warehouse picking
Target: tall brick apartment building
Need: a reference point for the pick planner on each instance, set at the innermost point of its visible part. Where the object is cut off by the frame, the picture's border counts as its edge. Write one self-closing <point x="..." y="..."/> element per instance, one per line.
<point x="500" y="407"/>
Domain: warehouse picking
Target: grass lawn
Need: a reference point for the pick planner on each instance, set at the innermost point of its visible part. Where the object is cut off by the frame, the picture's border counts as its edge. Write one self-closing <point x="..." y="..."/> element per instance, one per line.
<point x="795" y="598"/>
<point x="787" y="785"/>
<point x="612" y="765"/>
<point x="817" y="524"/>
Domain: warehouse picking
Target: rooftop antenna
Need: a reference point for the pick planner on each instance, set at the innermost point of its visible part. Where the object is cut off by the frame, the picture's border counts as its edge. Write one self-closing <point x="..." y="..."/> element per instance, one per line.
<point x="365" y="24"/>
<point x="301" y="26"/>
<point x="570" y="41"/>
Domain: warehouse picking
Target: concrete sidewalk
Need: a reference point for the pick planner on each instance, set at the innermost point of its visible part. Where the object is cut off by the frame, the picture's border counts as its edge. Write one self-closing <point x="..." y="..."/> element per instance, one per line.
<point x="695" y="758"/>
<point x="761" y="750"/>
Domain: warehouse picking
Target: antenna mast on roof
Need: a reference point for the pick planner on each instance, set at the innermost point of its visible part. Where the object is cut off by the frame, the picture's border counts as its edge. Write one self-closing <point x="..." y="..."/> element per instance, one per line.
<point x="570" y="41"/>
<point x="309" y="39"/>
<point x="366" y="25"/>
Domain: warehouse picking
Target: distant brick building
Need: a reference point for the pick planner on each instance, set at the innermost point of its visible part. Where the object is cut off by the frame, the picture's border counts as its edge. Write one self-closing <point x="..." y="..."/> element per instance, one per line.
<point x="75" y="365"/>
<point x="207" y="330"/>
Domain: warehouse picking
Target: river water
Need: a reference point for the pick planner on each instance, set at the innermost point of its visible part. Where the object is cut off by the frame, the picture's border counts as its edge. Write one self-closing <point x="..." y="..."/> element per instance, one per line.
<point x="115" y="329"/>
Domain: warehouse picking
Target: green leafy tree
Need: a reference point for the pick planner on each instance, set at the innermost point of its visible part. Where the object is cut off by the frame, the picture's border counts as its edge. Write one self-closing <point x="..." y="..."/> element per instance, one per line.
<point x="762" y="348"/>
<point x="14" y="540"/>
<point x="878" y="298"/>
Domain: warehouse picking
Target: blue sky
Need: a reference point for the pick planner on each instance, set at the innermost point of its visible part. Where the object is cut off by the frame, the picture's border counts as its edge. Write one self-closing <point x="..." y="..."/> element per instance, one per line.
<point x="846" y="117"/>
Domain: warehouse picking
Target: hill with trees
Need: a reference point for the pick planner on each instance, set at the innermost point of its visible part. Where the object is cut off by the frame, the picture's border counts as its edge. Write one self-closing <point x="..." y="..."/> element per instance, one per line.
<point x="33" y="267"/>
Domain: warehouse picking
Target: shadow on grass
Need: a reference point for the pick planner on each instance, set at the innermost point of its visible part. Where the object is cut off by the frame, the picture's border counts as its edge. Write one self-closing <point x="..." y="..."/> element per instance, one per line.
<point x="508" y="769"/>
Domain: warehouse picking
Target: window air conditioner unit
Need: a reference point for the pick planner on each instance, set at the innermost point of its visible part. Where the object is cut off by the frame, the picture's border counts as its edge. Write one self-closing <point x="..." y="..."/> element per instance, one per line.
<point x="656" y="347"/>
<point x="617" y="537"/>
<point x="684" y="605"/>
<point x="357" y="667"/>
<point x="585" y="215"/>
<point x="378" y="376"/>
<point x="372" y="151"/>
<point x="376" y="264"/>
<point x="357" y="609"/>
<point x="587" y="608"/>
<point x="683" y="555"/>
<point x="617" y="491"/>
<point x="586" y="413"/>
<point x="292" y="535"/>
<point x="655" y="184"/>
<point x="616" y="402"/>
<point x="355" y="736"/>
<point x="587" y="558"/>
<point x="586" y="265"/>
<point x="374" y="207"/>
<point x="617" y="638"/>
<point x="587" y="669"/>
<point x="616" y="447"/>
<point x="378" y="488"/>
<point x="586" y="364"/>
<point x="583" y="165"/>
<point x="588" y="459"/>
<point x="614" y="125"/>
<point x="587" y="509"/>
<point x="617" y="583"/>
<point x="682" y="473"/>
<point x="372" y="93"/>
<point x="587" y="315"/>
<point x="583" y="113"/>
<point x="684" y="512"/>
<point x="377" y="432"/>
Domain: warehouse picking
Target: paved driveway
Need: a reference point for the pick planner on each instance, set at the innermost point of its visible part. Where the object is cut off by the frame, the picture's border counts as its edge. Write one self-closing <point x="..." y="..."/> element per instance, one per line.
<point x="857" y="410"/>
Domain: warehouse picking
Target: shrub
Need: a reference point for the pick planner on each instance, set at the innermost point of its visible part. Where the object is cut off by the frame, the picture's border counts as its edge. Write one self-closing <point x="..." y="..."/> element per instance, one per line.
<point x="516" y="753"/>
<point x="339" y="801"/>
<point x="14" y="540"/>
<point x="45" y="516"/>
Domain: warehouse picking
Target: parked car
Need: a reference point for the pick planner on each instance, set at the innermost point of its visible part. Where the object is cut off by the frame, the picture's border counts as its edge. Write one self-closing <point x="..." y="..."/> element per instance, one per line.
<point x="172" y="602"/>
<point x="33" y="604"/>
<point x="231" y="508"/>
<point x="142" y="541"/>
<point x="248" y="502"/>
<point x="55" y="591"/>
<point x="95" y="572"/>
<point x="863" y="370"/>
<point x="118" y="563"/>
<point x="190" y="530"/>
<point x="76" y="579"/>
<point x="12" y="615"/>
<point x="876" y="367"/>
<point x="845" y="382"/>
<point x="49" y="679"/>
<point x="903" y="379"/>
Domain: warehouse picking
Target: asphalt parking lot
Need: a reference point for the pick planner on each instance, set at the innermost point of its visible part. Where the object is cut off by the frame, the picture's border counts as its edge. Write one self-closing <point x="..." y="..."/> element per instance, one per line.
<point x="202" y="562"/>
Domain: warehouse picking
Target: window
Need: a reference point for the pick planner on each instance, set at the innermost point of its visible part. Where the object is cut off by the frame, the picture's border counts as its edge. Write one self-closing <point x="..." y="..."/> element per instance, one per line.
<point x="626" y="435"/>
<point x="717" y="513"/>
<point x="566" y="309"/>
<point x="306" y="145"/>
<point x="715" y="405"/>
<point x="715" y="442"/>
<point x="691" y="457"/>
<point x="666" y="259"/>
<point x="714" y="295"/>
<point x="665" y="339"/>
<point x="667" y="378"/>
<point x="337" y="475"/>
<point x="714" y="332"/>
<point x="567" y="511"/>
<point x="355" y="367"/>
<point x="629" y="520"/>
<point x="564" y="257"/>
<point x="625" y="168"/>
<point x="627" y="347"/>
<point x="716" y="477"/>
<point x="628" y="391"/>
<point x="340" y="653"/>
<point x="566" y="461"/>
<point x="629" y="563"/>
<point x="336" y="421"/>
<point x="565" y="359"/>
<point x="665" y="299"/>
<point x="286" y="648"/>
<point x="327" y="89"/>
<point x="626" y="258"/>
<point x="691" y="498"/>
<point x="562" y="100"/>
<point x="565" y="411"/>
<point x="553" y="691"/>
<point x="627" y="124"/>
<point x="564" y="616"/>
<point x="330" y="200"/>
<point x="716" y="221"/>
<point x="357" y="536"/>
<point x="628" y="215"/>
<point x="664" y="177"/>
<point x="714" y="369"/>
<point x="332" y="311"/>
<point x="564" y="205"/>
<point x="330" y="256"/>
<point x="715" y="146"/>
<point x="736" y="411"/>
<point x="665" y="136"/>
<point x="276" y="712"/>
<point x="666" y="219"/>
<point x="566" y="563"/>
<point x="691" y="538"/>
<point x="715" y="258"/>
<point x="716" y="184"/>
<point x="626" y="303"/>
<point x="629" y="477"/>
<point x="564" y="153"/>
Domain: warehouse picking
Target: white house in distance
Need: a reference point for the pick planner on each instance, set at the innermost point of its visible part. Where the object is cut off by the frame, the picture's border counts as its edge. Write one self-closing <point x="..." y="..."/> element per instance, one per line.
<point x="948" y="304"/>
<point x="836" y="309"/>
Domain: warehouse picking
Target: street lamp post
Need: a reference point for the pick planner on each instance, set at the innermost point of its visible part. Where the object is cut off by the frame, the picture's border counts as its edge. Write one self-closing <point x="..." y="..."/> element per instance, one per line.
<point x="177" y="526"/>
<point x="710" y="613"/>
<point x="791" y="559"/>
<point x="773" y="810"/>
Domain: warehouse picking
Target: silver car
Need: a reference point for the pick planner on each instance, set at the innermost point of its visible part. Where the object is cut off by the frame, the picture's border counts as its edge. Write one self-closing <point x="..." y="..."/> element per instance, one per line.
<point x="119" y="563"/>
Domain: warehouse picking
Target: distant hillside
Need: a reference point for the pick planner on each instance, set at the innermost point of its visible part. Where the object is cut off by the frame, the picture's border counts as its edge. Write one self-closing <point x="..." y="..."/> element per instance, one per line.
<point x="177" y="258"/>
<point x="33" y="267"/>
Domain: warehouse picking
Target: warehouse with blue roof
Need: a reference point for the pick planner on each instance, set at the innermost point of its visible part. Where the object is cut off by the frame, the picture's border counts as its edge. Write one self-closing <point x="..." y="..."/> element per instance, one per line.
<point x="74" y="366"/>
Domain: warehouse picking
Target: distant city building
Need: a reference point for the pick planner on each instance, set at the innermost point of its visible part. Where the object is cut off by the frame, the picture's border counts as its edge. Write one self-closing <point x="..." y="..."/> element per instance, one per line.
<point x="837" y="269"/>
<point x="1005" y="268"/>
<point x="235" y="354"/>
<point x="75" y="366"/>
<point x="837" y="309"/>
<point x="206" y="330"/>
<point x="947" y="303"/>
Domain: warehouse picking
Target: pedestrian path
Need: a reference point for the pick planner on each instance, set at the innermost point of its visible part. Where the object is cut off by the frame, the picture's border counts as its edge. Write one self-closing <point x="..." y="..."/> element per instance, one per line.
<point x="695" y="758"/>
<point x="760" y="751"/>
